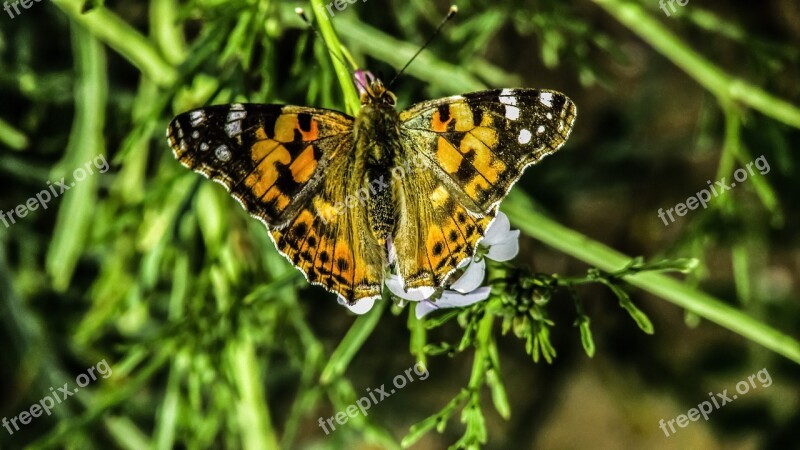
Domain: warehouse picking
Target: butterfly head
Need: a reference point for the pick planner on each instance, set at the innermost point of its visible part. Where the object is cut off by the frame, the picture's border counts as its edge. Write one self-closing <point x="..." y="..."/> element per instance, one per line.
<point x="372" y="90"/>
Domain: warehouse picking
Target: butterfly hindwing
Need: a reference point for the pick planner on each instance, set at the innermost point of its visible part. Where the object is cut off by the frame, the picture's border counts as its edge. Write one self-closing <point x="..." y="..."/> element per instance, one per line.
<point x="328" y="240"/>
<point x="481" y="142"/>
<point x="435" y="232"/>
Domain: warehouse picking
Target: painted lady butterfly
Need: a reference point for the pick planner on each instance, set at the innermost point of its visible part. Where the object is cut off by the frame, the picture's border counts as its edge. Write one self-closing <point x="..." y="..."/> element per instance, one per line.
<point x="294" y="168"/>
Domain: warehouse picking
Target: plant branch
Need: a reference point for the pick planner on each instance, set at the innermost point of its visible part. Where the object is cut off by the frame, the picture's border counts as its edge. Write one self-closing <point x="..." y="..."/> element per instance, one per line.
<point x="521" y="211"/>
<point x="724" y="86"/>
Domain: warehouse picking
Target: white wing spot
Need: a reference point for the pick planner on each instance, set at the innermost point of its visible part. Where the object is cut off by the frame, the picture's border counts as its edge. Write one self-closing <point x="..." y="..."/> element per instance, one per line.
<point x="508" y="100"/>
<point x="203" y="147"/>
<point x="512" y="112"/>
<point x="550" y="116"/>
<point x="524" y="136"/>
<point x="222" y="153"/>
<point x="540" y="130"/>
<point x="235" y="114"/>
<point x="233" y="128"/>
<point x="546" y="98"/>
<point x="195" y="134"/>
<point x="197" y="117"/>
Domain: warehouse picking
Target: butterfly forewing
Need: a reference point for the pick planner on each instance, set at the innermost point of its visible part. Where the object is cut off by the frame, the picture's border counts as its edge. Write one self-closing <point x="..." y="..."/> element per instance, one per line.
<point x="289" y="166"/>
<point x="265" y="155"/>
<point x="481" y="142"/>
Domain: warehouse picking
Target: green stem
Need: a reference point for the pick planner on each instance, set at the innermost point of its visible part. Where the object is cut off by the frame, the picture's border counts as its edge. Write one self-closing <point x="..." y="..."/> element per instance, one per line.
<point x="11" y="137"/>
<point x="384" y="47"/>
<point x="482" y="343"/>
<point x="419" y="336"/>
<point x="351" y="99"/>
<point x="724" y="86"/>
<point x="253" y="414"/>
<point x="351" y="343"/>
<point x="77" y="209"/>
<point x="521" y="211"/>
<point x="167" y="31"/>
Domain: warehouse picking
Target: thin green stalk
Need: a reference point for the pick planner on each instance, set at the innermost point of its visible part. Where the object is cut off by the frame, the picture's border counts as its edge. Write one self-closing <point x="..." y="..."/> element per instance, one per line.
<point x="253" y="414"/>
<point x="482" y="342"/>
<point x="132" y="45"/>
<point x="724" y="86"/>
<point x="351" y="343"/>
<point x="521" y="211"/>
<point x="12" y="137"/>
<point x="351" y="99"/>
<point x="86" y="142"/>
<point x="419" y="336"/>
<point x="167" y="31"/>
<point x="380" y="45"/>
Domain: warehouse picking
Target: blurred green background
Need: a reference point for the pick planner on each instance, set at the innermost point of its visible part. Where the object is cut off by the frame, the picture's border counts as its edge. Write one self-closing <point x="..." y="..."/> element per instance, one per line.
<point x="213" y="340"/>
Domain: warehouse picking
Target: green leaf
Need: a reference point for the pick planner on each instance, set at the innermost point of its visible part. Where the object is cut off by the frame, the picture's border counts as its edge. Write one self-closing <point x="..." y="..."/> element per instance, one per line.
<point x="586" y="335"/>
<point x="499" y="397"/>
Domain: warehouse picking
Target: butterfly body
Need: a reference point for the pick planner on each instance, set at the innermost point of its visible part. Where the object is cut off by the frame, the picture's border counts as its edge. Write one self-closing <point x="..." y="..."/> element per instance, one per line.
<point x="377" y="148"/>
<point x="343" y="196"/>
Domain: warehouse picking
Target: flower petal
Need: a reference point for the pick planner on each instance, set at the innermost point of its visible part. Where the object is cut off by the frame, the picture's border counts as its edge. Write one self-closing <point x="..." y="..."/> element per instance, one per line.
<point x="395" y="285"/>
<point x="471" y="278"/>
<point x="362" y="306"/>
<point x="506" y="249"/>
<point x="362" y="80"/>
<point x="391" y="251"/>
<point x="424" y="307"/>
<point x="452" y="299"/>
<point x="497" y="230"/>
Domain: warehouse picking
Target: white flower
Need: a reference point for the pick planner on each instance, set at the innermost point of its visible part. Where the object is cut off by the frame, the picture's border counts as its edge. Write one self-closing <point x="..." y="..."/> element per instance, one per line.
<point x="421" y="295"/>
<point x="500" y="243"/>
<point x="395" y="284"/>
<point x="362" y="306"/>
<point x="452" y="299"/>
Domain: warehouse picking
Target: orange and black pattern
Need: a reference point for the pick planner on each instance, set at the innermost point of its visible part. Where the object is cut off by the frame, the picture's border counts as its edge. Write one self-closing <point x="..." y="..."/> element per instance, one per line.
<point x="333" y="192"/>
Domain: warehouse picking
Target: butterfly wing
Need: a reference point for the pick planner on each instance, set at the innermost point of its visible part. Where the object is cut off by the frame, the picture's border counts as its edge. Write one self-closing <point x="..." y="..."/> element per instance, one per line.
<point x="476" y="147"/>
<point x="282" y="163"/>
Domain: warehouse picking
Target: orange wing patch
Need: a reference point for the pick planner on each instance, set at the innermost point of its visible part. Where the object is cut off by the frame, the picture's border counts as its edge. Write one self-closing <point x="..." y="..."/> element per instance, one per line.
<point x="435" y="232"/>
<point x="484" y="140"/>
<point x="304" y="165"/>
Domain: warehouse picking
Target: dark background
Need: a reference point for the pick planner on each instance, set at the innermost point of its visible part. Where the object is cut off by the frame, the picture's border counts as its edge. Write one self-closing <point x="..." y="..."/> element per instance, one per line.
<point x="163" y="275"/>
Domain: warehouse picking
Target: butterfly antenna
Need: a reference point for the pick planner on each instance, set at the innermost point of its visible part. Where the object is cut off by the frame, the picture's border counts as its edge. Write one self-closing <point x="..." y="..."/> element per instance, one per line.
<point x="302" y="13"/>
<point x="450" y="14"/>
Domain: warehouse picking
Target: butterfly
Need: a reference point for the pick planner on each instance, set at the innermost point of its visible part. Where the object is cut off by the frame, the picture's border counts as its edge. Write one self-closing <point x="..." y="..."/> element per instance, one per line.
<point x="346" y="198"/>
